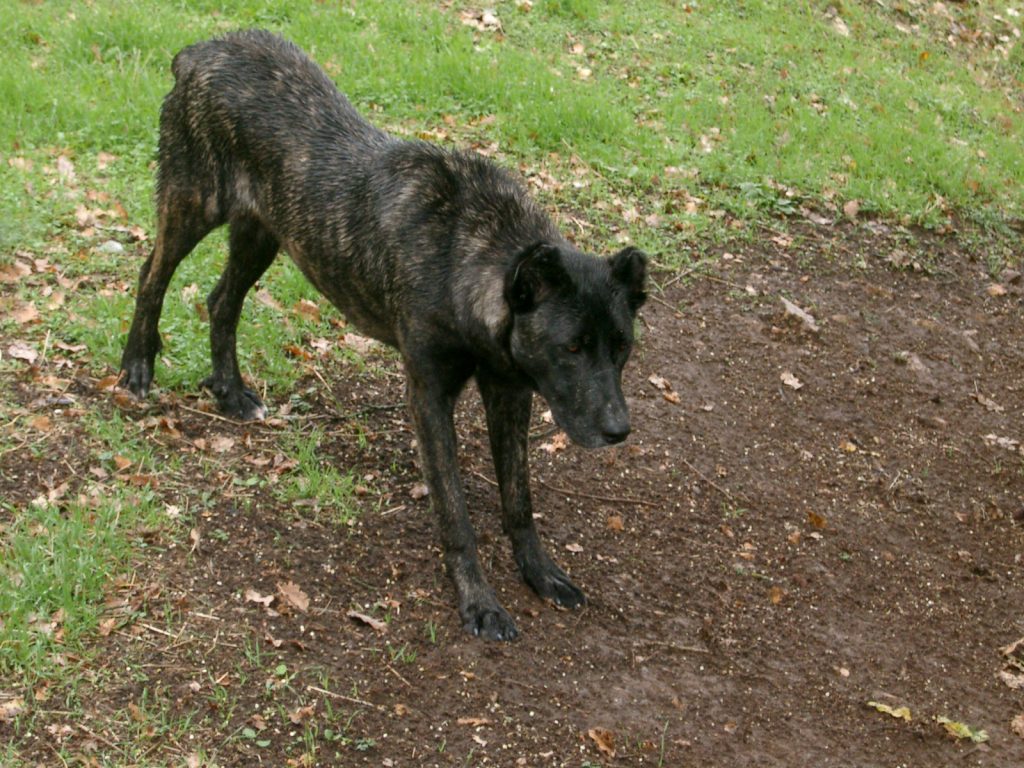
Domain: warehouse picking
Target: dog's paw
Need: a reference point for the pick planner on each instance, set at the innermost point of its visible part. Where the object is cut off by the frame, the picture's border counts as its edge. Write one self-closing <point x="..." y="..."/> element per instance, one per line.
<point x="552" y="584"/>
<point x="489" y="622"/>
<point x="136" y="376"/>
<point x="236" y="402"/>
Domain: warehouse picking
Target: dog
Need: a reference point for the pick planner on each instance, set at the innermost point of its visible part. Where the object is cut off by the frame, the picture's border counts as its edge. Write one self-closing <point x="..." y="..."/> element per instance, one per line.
<point x="439" y="253"/>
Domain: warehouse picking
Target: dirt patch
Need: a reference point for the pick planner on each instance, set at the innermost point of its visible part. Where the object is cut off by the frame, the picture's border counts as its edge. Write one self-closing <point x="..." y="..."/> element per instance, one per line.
<point x="804" y="521"/>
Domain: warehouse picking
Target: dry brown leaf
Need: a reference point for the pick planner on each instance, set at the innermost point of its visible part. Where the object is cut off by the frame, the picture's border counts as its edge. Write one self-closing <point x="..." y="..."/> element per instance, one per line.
<point x="851" y="208"/>
<point x="108" y="382"/>
<point x="1017" y="725"/>
<point x="221" y="443"/>
<point x="41" y="423"/>
<point x="252" y="596"/>
<point x="19" y="350"/>
<point x="1014" y="681"/>
<point x="369" y="621"/>
<point x="805" y="318"/>
<point x="775" y="594"/>
<point x="672" y="397"/>
<point x="302" y="714"/>
<point x="307" y="309"/>
<point x="25" y="313"/>
<point x="558" y="443"/>
<point x="474" y="722"/>
<point x="574" y="548"/>
<point x="419" y="491"/>
<point x="816" y="520"/>
<point x="358" y="344"/>
<point x="604" y="739"/>
<point x="790" y="380"/>
<point x="292" y="594"/>
<point x="263" y="297"/>
<point x="11" y="708"/>
<point x="107" y="626"/>
<point x="659" y="382"/>
<point x="12" y="273"/>
<point x="989" y="403"/>
<point x="615" y="523"/>
<point x="193" y="536"/>
<point x="996" y="290"/>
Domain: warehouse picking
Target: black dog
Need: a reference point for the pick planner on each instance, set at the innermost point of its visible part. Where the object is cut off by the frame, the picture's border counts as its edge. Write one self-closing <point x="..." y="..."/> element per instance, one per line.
<point x="440" y="254"/>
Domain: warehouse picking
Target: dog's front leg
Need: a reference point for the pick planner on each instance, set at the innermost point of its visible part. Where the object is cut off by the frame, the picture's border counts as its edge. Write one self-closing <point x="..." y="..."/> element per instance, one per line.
<point x="432" y="404"/>
<point x="508" y="424"/>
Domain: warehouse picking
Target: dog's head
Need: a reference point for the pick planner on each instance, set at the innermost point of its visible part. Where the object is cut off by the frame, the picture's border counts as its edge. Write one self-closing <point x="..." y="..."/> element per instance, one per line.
<point x="572" y="332"/>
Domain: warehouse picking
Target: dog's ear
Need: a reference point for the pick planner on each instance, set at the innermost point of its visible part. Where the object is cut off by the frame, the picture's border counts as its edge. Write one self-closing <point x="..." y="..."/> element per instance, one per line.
<point x="629" y="269"/>
<point x="536" y="273"/>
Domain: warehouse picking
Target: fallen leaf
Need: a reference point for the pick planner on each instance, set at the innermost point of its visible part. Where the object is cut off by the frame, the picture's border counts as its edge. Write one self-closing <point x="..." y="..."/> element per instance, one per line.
<point x="108" y="382"/>
<point x="252" y="596"/>
<point x="615" y="523"/>
<point x="816" y="520"/>
<point x="193" y="536"/>
<point x="103" y="159"/>
<point x="847" y="447"/>
<point x="222" y="444"/>
<point x="851" y="208"/>
<point x="775" y="594"/>
<point x="1011" y="649"/>
<point x="474" y="722"/>
<point x="19" y="350"/>
<point x="25" y="313"/>
<point x="369" y="621"/>
<point x="1014" y="681"/>
<point x="1001" y="442"/>
<point x="989" y="403"/>
<point x="659" y="382"/>
<point x="558" y="443"/>
<point x="574" y="548"/>
<point x="996" y="290"/>
<point x="805" y="318"/>
<point x="292" y="594"/>
<point x="12" y="273"/>
<point x="604" y="739"/>
<point x="840" y="26"/>
<point x="66" y="170"/>
<point x="1017" y="725"/>
<point x="263" y="297"/>
<point x="962" y="730"/>
<point x="790" y="380"/>
<point x="302" y="714"/>
<point x="307" y="309"/>
<point x="419" y="491"/>
<point x="11" y="708"/>
<point x="902" y="713"/>
<point x="107" y="626"/>
<point x="359" y="344"/>
<point x="672" y="397"/>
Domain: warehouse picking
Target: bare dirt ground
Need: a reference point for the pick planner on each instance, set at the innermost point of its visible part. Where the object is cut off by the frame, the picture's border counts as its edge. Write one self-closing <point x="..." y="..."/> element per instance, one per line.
<point x="803" y="521"/>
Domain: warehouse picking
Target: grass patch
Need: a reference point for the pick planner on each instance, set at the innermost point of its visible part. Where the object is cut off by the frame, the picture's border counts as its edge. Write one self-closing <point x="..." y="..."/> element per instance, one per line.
<point x="55" y="564"/>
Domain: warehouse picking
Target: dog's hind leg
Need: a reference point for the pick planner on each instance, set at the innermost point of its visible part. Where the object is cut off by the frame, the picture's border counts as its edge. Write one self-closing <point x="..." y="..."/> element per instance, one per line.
<point x="252" y="249"/>
<point x="508" y="423"/>
<point x="182" y="223"/>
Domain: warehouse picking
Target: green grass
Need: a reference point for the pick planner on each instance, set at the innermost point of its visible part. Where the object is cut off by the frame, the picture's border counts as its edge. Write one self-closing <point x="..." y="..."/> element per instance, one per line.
<point x="57" y="562"/>
<point x="740" y="104"/>
<point x="658" y="122"/>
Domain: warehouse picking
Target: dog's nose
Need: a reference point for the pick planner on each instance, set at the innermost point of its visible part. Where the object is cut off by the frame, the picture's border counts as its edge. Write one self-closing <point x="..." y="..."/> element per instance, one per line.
<point x="615" y="434"/>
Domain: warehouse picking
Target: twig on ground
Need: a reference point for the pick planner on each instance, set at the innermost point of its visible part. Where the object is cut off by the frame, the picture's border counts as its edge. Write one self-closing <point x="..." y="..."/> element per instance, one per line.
<point x="343" y="697"/>
<point x="713" y="484"/>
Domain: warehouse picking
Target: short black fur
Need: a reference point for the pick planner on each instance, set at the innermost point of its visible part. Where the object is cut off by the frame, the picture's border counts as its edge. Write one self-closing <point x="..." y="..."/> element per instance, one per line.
<point x="441" y="254"/>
